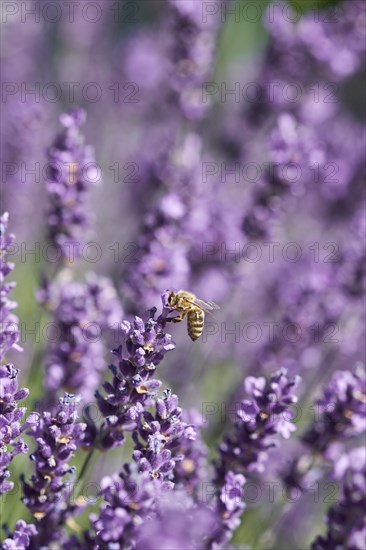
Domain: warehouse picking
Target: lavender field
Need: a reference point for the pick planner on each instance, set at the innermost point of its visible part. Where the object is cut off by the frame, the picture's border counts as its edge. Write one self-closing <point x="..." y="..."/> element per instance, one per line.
<point x="212" y="147"/>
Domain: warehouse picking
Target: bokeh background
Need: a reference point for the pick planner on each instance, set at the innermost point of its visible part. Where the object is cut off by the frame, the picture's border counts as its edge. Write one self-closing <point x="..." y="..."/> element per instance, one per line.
<point x="183" y="197"/>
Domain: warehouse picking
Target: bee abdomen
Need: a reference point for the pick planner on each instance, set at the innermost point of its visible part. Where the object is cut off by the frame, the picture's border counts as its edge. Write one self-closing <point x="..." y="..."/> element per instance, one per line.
<point x="195" y="322"/>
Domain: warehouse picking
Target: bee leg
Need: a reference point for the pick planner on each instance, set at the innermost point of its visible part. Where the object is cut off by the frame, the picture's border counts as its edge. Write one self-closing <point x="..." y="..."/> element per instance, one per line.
<point x="176" y="319"/>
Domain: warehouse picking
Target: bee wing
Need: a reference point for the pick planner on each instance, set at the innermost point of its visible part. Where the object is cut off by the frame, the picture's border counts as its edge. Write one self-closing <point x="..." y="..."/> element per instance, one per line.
<point x="205" y="305"/>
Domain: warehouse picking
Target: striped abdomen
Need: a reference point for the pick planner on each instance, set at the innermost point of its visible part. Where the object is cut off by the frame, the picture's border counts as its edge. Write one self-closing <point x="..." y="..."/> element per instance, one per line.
<point x="195" y="322"/>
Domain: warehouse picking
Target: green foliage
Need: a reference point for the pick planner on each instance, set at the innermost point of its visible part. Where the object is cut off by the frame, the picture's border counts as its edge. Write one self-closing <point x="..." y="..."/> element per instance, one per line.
<point x="306" y="5"/>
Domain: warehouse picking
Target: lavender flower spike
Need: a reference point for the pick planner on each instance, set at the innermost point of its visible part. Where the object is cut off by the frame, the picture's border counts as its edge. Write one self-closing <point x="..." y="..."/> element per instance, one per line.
<point x="193" y="54"/>
<point x="73" y="171"/>
<point x="133" y="386"/>
<point x="259" y="419"/>
<point x="130" y="500"/>
<point x="192" y="469"/>
<point x="146" y="514"/>
<point x="47" y="494"/>
<point x="343" y="410"/>
<point x="341" y="417"/>
<point x="162" y="438"/>
<point x="81" y="314"/>
<point x="346" y="525"/>
<point x="20" y="538"/>
<point x="178" y="523"/>
<point x="12" y="424"/>
<point x="264" y="415"/>
<point x="9" y="335"/>
<point x="229" y="506"/>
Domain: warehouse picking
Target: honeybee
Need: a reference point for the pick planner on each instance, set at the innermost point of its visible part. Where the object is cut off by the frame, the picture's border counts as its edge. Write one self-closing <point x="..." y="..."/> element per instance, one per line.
<point x="186" y="303"/>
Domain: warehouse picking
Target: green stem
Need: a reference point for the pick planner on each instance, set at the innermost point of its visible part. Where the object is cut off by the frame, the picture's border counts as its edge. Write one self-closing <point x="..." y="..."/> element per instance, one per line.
<point x="84" y="470"/>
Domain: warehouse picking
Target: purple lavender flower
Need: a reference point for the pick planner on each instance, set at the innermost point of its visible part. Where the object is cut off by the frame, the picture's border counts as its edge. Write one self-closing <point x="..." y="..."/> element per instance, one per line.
<point x="246" y="450"/>
<point x="346" y="527"/>
<point x="259" y="419"/>
<point x="146" y="64"/>
<point x="24" y="132"/>
<point x="342" y="410"/>
<point x="300" y="154"/>
<point x="312" y="132"/>
<point x="73" y="171"/>
<point x="141" y="512"/>
<point x="82" y="314"/>
<point x="228" y="506"/>
<point x="305" y="50"/>
<point x="312" y="299"/>
<point x="164" y="242"/>
<point x="185" y="217"/>
<point x="19" y="539"/>
<point x="48" y="493"/>
<point x="8" y="321"/>
<point x="133" y="386"/>
<point x="352" y="275"/>
<point x="12" y="422"/>
<point x="341" y="34"/>
<point x="340" y="417"/>
<point x="163" y="454"/>
<point x="193" y="468"/>
<point x="161" y="438"/>
<point x="193" y="53"/>
<point x="166" y="450"/>
<point x="185" y="214"/>
<point x="130" y="499"/>
<point x="179" y="523"/>
<point x="294" y="148"/>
